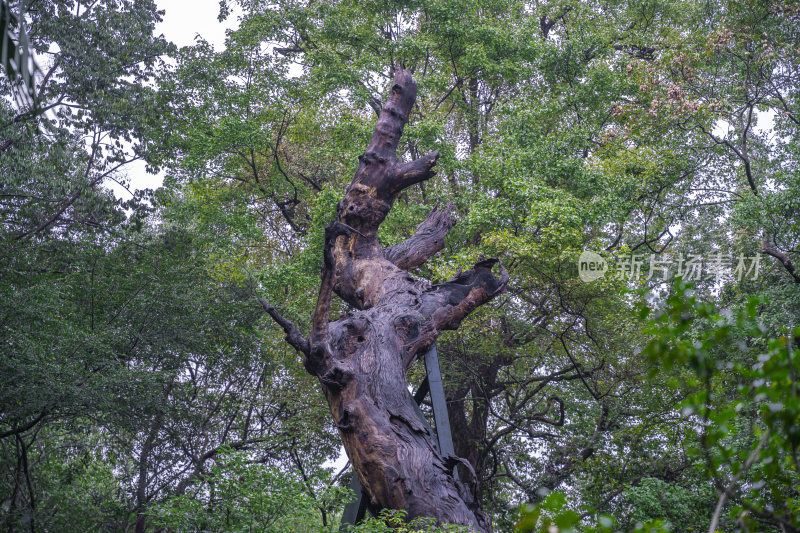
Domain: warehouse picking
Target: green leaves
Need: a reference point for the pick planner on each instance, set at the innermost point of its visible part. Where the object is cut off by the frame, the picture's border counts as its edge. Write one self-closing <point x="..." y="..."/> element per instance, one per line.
<point x="550" y="515"/>
<point x="746" y="401"/>
<point x="390" y="521"/>
<point x="554" y="515"/>
<point x="245" y="496"/>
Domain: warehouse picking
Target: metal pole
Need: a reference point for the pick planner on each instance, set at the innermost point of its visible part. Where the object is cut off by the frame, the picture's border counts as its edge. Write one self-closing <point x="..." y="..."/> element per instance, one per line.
<point x="439" y="403"/>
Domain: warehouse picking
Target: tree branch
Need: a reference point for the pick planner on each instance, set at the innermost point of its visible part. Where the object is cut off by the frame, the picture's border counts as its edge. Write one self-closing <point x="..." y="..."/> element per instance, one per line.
<point x="293" y="335"/>
<point x="404" y="175"/>
<point x="392" y="119"/>
<point x="782" y="257"/>
<point x="201" y="460"/>
<point x="21" y="429"/>
<point x="729" y="489"/>
<point x="426" y="241"/>
<point x="449" y="303"/>
<point x="315" y="360"/>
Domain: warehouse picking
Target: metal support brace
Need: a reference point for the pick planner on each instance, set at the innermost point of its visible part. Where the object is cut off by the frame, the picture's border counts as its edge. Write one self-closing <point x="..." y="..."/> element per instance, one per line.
<point x="439" y="403"/>
<point x="355" y="511"/>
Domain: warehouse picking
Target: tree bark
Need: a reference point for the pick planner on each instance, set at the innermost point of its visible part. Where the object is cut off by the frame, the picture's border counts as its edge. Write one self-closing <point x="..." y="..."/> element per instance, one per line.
<point x="362" y="358"/>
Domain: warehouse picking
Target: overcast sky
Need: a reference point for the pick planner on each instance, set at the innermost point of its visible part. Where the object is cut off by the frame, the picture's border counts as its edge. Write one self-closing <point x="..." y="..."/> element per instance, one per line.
<point x="184" y="19"/>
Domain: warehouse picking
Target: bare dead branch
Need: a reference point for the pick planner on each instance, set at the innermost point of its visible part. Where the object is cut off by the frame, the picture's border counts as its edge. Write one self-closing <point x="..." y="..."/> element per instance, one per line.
<point x="426" y="241"/>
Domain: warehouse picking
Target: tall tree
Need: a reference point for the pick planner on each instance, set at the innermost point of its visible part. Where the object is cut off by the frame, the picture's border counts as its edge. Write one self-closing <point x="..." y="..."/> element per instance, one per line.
<point x="362" y="358"/>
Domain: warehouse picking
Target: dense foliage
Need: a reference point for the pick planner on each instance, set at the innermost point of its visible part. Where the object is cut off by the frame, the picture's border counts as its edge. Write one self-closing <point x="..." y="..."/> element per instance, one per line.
<point x="142" y="389"/>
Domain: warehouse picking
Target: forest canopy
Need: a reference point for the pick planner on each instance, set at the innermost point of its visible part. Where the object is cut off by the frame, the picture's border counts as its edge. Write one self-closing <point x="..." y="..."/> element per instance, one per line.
<point x="633" y="164"/>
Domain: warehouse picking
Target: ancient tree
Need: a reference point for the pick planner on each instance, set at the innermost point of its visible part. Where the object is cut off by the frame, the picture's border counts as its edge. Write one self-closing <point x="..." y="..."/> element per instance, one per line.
<point x="361" y="358"/>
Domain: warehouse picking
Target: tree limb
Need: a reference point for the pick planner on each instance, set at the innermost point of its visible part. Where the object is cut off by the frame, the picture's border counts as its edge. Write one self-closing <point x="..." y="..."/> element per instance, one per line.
<point x="729" y="489"/>
<point x="426" y="241"/>
<point x="318" y="353"/>
<point x="22" y="429"/>
<point x="293" y="335"/>
<point x="449" y="303"/>
<point x="404" y="175"/>
<point x="782" y="257"/>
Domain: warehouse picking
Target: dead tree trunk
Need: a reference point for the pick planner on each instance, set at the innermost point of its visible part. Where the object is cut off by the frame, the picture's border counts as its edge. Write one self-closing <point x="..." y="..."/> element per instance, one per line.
<point x="361" y="359"/>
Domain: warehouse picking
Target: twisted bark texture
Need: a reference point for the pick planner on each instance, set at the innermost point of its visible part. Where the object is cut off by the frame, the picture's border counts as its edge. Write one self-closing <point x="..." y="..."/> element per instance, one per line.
<point x="361" y="359"/>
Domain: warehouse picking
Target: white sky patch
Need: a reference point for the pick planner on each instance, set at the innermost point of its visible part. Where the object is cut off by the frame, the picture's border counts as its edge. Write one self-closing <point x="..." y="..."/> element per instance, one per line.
<point x="186" y="19"/>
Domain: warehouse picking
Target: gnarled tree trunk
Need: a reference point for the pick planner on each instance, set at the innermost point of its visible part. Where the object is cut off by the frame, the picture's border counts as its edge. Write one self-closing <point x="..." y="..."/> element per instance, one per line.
<point x="361" y="359"/>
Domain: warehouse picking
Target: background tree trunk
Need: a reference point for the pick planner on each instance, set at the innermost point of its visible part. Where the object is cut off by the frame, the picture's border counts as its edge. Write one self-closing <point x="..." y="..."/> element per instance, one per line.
<point x="361" y="359"/>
